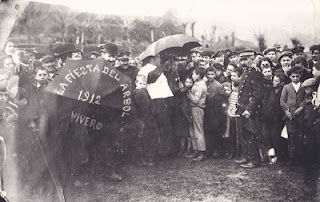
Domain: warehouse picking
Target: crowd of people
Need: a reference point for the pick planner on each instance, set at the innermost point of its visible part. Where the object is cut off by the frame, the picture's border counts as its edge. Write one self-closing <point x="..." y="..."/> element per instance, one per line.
<point x="248" y="106"/>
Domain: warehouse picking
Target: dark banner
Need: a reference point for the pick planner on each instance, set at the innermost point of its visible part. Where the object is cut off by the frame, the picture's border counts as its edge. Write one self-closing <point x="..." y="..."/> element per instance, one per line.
<point x="98" y="85"/>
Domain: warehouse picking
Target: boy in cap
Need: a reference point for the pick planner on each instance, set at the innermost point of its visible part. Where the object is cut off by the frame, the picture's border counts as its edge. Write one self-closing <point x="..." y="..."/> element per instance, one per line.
<point x="291" y="99"/>
<point x="285" y="60"/>
<point x="234" y="58"/>
<point x="271" y="53"/>
<point x="310" y="117"/>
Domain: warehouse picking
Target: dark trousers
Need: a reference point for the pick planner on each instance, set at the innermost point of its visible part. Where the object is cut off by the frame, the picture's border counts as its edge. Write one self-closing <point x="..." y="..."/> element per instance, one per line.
<point x="250" y="143"/>
<point x="271" y="136"/>
<point x="148" y="141"/>
<point x="295" y="139"/>
<point x="163" y="112"/>
<point x="312" y="146"/>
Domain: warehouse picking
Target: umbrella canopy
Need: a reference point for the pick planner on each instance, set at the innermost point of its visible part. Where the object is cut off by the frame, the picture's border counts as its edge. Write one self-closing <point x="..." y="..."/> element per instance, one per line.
<point x="95" y="83"/>
<point x="170" y="43"/>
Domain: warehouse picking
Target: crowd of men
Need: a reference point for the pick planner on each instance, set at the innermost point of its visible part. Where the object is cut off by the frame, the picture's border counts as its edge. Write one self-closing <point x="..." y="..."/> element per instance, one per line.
<point x="254" y="107"/>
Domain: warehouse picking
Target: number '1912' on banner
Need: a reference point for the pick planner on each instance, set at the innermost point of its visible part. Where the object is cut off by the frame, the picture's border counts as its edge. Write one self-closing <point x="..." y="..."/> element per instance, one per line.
<point x="89" y="97"/>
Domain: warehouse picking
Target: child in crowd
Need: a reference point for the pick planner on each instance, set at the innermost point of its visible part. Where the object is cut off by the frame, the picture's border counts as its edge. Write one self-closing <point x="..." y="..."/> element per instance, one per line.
<point x="227" y="73"/>
<point x="310" y="116"/>
<point x="212" y="116"/>
<point x="291" y="98"/>
<point x="183" y="118"/>
<point x="233" y="144"/>
<point x="146" y="122"/>
<point x="272" y="122"/>
<point x="219" y="73"/>
<point x="197" y="97"/>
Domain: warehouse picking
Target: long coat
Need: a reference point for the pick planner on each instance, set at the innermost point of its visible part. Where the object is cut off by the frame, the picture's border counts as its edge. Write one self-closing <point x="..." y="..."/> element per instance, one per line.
<point x="251" y="91"/>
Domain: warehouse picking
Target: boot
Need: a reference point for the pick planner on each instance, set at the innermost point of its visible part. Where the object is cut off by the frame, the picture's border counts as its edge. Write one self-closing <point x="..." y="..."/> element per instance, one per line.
<point x="192" y="155"/>
<point x="201" y="157"/>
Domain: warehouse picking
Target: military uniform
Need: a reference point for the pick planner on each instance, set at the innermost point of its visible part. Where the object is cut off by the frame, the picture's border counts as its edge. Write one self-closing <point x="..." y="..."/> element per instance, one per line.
<point x="250" y="97"/>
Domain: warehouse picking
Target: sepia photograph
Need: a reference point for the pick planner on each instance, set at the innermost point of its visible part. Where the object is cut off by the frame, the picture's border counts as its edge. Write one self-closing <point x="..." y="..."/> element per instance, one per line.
<point x="159" y="101"/>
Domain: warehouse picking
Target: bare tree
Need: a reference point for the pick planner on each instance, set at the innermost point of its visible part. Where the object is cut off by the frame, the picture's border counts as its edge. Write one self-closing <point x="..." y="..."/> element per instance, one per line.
<point x="192" y="28"/>
<point x="295" y="41"/>
<point x="261" y="41"/>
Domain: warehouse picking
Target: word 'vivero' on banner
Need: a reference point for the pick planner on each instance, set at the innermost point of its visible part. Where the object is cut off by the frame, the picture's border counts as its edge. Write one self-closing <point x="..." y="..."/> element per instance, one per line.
<point x="88" y="97"/>
<point x="86" y="121"/>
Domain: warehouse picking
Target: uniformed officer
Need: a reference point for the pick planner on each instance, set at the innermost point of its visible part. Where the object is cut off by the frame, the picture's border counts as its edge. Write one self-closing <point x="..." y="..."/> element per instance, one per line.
<point x="250" y="97"/>
<point x="124" y="66"/>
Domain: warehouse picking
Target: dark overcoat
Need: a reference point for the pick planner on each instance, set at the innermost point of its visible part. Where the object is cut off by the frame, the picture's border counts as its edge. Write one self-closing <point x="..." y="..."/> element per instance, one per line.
<point x="251" y="91"/>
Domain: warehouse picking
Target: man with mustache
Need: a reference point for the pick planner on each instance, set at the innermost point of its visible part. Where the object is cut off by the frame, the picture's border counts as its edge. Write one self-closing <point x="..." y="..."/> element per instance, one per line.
<point x="251" y="89"/>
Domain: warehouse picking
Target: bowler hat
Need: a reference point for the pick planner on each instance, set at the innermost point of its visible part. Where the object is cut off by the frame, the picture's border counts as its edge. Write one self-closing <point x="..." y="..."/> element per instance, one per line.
<point x="110" y="48"/>
<point x="61" y="49"/>
<point x="285" y="53"/>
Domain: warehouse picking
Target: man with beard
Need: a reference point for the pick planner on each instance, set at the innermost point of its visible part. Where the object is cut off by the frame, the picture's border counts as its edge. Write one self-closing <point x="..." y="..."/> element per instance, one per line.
<point x="250" y="97"/>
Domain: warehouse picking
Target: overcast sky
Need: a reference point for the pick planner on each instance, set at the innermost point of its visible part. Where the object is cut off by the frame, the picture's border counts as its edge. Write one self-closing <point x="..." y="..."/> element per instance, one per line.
<point x="277" y="19"/>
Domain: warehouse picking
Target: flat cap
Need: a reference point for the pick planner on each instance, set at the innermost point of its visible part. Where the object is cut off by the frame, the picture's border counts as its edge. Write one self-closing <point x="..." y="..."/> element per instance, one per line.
<point x="285" y="53"/>
<point x="270" y="49"/>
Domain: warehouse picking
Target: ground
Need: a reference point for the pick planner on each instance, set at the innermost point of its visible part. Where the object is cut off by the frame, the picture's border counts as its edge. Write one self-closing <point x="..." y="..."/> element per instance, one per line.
<point x="179" y="179"/>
